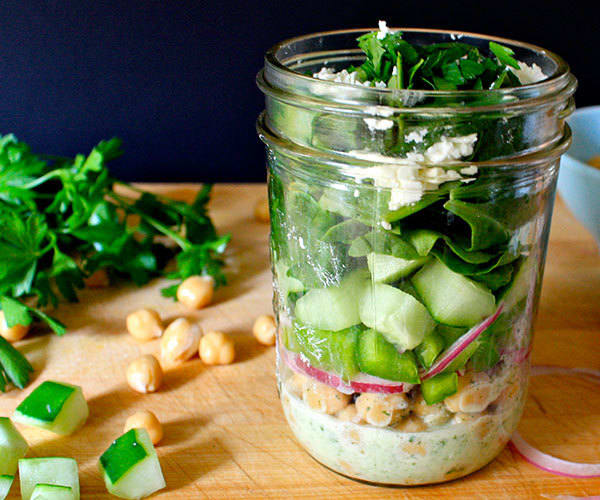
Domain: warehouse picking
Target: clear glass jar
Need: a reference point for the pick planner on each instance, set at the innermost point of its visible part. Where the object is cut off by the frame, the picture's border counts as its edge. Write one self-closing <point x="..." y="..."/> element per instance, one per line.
<point x="408" y="235"/>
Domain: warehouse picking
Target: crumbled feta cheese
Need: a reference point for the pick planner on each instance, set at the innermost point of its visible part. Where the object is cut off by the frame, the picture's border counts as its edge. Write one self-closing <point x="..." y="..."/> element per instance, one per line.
<point x="331" y="75"/>
<point x="379" y="111"/>
<point x="451" y="148"/>
<point x="416" y="135"/>
<point x="386" y="225"/>
<point x="356" y="193"/>
<point x="383" y="30"/>
<point x="406" y="178"/>
<point x="378" y="123"/>
<point x="468" y="170"/>
<point x="529" y="74"/>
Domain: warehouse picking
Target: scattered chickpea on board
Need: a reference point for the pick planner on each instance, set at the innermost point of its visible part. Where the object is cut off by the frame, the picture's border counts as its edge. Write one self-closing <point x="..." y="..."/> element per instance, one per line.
<point x="145" y="374"/>
<point x="179" y="341"/>
<point x="196" y="292"/>
<point x="216" y="348"/>
<point x="265" y="329"/>
<point x="261" y="210"/>
<point x="15" y="332"/>
<point x="146" y="420"/>
<point x="145" y="324"/>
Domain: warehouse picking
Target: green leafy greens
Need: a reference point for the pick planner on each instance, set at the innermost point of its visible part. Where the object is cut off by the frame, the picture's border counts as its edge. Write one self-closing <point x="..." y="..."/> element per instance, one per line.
<point x="439" y="66"/>
<point x="62" y="220"/>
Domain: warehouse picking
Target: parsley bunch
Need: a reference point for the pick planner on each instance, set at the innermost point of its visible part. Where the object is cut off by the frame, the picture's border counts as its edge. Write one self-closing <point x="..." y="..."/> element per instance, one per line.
<point x="62" y="220"/>
<point x="439" y="66"/>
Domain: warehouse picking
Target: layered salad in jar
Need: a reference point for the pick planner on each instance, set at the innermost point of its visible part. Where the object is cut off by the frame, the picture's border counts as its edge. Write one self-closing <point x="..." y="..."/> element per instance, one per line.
<point x="405" y="292"/>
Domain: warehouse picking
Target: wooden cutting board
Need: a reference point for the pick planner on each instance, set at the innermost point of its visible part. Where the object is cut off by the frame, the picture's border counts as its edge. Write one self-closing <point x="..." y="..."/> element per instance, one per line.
<point x="225" y="434"/>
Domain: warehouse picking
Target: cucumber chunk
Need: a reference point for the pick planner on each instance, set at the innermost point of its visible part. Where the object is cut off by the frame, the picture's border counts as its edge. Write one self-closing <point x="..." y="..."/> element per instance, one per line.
<point x="58" y="471"/>
<point x="6" y="482"/>
<point x="334" y="308"/>
<point x="130" y="466"/>
<point x="386" y="268"/>
<point x="52" y="492"/>
<point x="12" y="447"/>
<point x="438" y="388"/>
<point x="523" y="280"/>
<point x="376" y="356"/>
<point x="330" y="351"/>
<point x="452" y="298"/>
<point x="55" y="406"/>
<point x="401" y="318"/>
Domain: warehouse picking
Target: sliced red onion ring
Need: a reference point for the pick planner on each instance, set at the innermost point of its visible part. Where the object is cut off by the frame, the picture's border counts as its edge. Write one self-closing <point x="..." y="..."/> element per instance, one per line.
<point x="361" y="383"/>
<point x="460" y="345"/>
<point x="547" y="462"/>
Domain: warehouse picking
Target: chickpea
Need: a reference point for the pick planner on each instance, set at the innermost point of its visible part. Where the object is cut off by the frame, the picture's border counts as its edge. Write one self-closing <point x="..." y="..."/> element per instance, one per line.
<point x="216" y="348"/>
<point x="144" y="324"/>
<point x="98" y="279"/>
<point x="196" y="292"/>
<point x="594" y="161"/>
<point x="475" y="393"/>
<point x="296" y="383"/>
<point x="323" y="398"/>
<point x="15" y="332"/>
<point x="145" y="420"/>
<point x="265" y="329"/>
<point x="349" y="414"/>
<point x="144" y="374"/>
<point x="411" y="424"/>
<point x="431" y="415"/>
<point x="382" y="410"/>
<point x="261" y="210"/>
<point x="180" y="341"/>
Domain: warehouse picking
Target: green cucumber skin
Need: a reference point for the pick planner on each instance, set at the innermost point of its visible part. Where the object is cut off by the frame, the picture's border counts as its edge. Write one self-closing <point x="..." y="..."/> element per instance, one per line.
<point x="66" y="412"/>
<point x="124" y="453"/>
<point x="127" y="471"/>
<point x="46" y="401"/>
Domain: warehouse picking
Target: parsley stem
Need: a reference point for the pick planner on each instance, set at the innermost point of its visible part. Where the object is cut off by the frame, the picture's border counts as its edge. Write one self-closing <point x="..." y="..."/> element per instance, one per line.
<point x="128" y="207"/>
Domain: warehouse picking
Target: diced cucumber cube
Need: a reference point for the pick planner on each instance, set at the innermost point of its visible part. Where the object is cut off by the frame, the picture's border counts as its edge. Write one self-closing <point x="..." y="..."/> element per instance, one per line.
<point x="452" y="298"/>
<point x="333" y="308"/>
<point x="12" y="447"/>
<point x="54" y="406"/>
<point x="130" y="466"/>
<point x="6" y="482"/>
<point x="58" y="471"/>
<point x="398" y="316"/>
<point x="52" y="492"/>
<point x="387" y="268"/>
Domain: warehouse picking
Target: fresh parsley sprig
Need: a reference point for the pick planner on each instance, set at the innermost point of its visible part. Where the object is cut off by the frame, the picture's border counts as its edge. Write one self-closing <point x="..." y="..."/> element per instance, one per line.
<point x="439" y="66"/>
<point x="62" y="220"/>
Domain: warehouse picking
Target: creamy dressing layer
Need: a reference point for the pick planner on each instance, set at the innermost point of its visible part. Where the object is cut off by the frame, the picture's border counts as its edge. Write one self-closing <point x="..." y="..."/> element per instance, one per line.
<point x="390" y="456"/>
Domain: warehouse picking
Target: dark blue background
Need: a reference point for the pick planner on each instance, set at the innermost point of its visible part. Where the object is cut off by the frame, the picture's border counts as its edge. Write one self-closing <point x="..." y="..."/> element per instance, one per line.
<point x="175" y="79"/>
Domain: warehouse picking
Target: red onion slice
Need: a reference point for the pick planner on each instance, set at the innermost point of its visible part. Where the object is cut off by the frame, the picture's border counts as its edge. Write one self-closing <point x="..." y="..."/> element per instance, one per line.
<point x="361" y="383"/>
<point x="460" y="345"/>
<point x="547" y="462"/>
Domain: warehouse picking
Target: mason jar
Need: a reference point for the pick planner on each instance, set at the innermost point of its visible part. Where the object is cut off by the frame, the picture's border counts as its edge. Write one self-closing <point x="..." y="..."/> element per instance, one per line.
<point x="408" y="235"/>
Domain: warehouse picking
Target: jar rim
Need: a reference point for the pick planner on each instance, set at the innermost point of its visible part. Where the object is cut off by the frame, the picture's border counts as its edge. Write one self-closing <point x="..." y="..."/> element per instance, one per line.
<point x="561" y="80"/>
<point x="346" y="162"/>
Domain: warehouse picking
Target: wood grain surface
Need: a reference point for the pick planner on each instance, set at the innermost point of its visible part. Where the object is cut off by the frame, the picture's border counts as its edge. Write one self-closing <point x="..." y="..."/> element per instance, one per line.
<point x="225" y="433"/>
